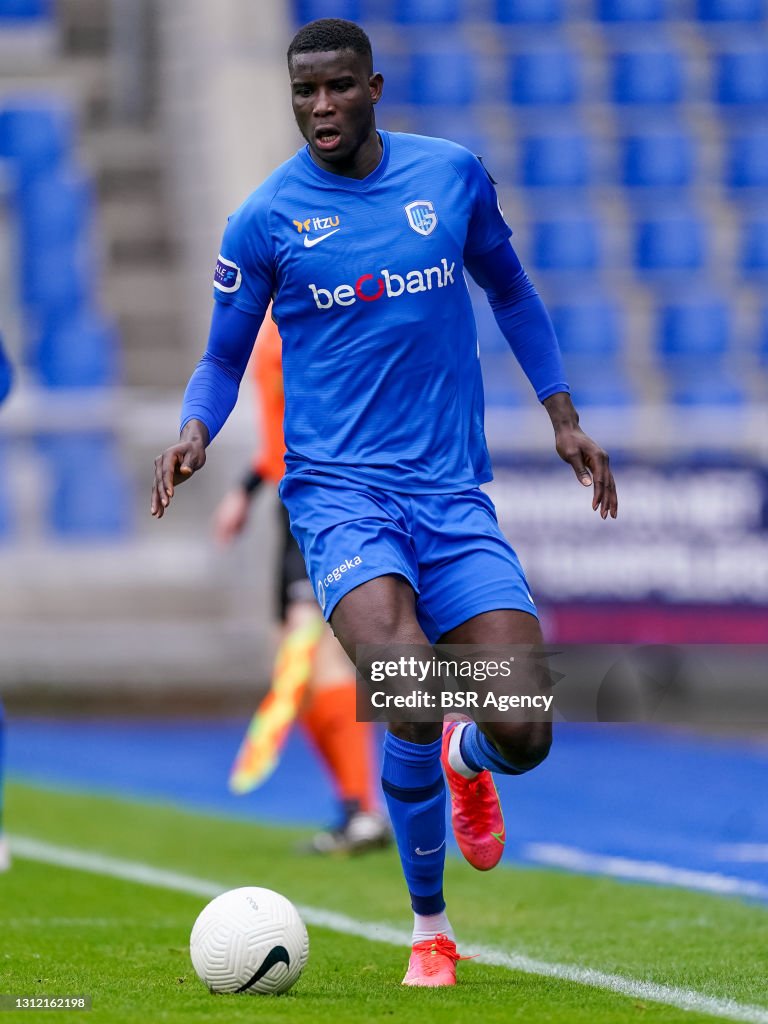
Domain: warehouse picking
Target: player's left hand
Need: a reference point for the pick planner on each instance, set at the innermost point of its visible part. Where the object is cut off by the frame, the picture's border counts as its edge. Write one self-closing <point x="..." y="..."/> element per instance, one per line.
<point x="591" y="466"/>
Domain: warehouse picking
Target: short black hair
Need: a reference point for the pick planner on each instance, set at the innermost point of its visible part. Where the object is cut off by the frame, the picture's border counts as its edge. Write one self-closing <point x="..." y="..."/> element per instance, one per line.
<point x="328" y="34"/>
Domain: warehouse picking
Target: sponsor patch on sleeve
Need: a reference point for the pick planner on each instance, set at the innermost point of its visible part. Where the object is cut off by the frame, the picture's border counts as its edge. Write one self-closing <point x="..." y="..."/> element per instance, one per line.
<point x="227" y="276"/>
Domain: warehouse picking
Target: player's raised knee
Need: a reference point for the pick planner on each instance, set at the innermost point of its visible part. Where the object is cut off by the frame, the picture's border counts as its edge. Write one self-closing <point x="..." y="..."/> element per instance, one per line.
<point x="523" y="745"/>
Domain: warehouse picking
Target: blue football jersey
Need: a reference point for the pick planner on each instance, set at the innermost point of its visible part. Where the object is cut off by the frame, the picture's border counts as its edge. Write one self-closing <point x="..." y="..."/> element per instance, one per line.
<point x="380" y="356"/>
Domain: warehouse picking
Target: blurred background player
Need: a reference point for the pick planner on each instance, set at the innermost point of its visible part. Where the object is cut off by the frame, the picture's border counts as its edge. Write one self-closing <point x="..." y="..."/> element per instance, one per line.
<point x="312" y="678"/>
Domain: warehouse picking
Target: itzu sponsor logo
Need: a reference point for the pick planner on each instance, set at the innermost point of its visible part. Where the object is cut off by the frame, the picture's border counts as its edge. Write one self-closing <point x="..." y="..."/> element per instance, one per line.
<point x="334" y="576"/>
<point x="316" y="223"/>
<point x="370" y="288"/>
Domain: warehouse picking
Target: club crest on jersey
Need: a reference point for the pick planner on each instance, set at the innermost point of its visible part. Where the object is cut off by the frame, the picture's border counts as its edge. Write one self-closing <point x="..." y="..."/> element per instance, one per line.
<point x="227" y="276"/>
<point x="421" y="216"/>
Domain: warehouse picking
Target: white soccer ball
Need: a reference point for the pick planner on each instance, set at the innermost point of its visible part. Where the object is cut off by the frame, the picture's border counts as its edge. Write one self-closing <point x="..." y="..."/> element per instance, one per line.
<point x="249" y="940"/>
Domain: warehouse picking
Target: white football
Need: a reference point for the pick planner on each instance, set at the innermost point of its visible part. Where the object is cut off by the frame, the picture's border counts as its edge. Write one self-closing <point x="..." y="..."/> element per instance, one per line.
<point x="249" y="940"/>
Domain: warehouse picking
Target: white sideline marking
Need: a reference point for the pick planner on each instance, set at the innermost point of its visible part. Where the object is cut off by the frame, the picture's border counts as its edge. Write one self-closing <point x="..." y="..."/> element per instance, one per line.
<point x="145" y="874"/>
<point x="573" y="859"/>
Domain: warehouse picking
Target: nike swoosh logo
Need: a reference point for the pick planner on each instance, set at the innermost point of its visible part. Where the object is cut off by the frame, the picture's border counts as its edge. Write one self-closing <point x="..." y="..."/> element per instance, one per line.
<point x="499" y="837"/>
<point x="276" y="955"/>
<point x="309" y="242"/>
<point x="426" y="853"/>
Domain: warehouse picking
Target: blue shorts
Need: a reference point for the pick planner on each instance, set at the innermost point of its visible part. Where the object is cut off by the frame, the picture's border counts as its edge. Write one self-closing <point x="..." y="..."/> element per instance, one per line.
<point x="449" y="547"/>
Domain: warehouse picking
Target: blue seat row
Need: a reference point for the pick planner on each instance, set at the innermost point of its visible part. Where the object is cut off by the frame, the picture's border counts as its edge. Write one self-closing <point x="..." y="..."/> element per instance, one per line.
<point x="593" y="327"/>
<point x="655" y="73"/>
<point x="71" y="343"/>
<point x="692" y="339"/>
<point x="664" y="156"/>
<point x="515" y="12"/>
<point x="659" y="158"/>
<point x="672" y="241"/>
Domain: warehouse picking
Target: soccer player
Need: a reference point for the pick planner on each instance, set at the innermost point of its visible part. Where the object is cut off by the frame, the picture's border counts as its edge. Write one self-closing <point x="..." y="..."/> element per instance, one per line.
<point x="363" y="238"/>
<point x="323" y="689"/>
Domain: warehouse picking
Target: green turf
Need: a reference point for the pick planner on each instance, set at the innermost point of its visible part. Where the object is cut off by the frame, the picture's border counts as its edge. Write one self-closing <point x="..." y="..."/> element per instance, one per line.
<point x="64" y="931"/>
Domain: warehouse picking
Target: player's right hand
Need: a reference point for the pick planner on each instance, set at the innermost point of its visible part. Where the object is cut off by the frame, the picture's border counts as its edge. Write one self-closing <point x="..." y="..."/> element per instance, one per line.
<point x="230" y="516"/>
<point x="175" y="465"/>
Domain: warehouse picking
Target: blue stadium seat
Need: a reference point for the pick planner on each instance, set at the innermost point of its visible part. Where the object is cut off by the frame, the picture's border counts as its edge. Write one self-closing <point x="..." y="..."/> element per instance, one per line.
<point x="444" y="76"/>
<point x="442" y="123"/>
<point x="555" y="160"/>
<point x="673" y="241"/>
<point x="311" y="10"/>
<point x="504" y="383"/>
<point x="54" y="208"/>
<point x="695" y="331"/>
<point x="515" y="12"/>
<point x="741" y="76"/>
<point x="590" y="332"/>
<point x="488" y="331"/>
<point x="35" y="134"/>
<point x="26" y="10"/>
<point x="598" y="385"/>
<point x="78" y="510"/>
<point x="699" y="386"/>
<point x="747" y="159"/>
<point x="648" y="76"/>
<point x="657" y="159"/>
<point x="569" y="242"/>
<point x="753" y="246"/>
<point x="630" y="10"/>
<point x="59" y="279"/>
<point x="426" y="12"/>
<point x="79" y="352"/>
<point x="731" y="10"/>
<point x="396" y="69"/>
<point x="547" y="75"/>
<point x="590" y="327"/>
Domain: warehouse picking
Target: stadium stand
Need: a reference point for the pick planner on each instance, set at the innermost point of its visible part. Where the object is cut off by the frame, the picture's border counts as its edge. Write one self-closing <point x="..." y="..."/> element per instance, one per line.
<point x="68" y="342"/>
<point x="628" y="139"/>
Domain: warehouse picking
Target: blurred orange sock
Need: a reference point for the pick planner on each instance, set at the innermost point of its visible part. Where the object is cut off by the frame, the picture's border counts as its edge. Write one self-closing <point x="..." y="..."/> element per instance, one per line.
<point x="345" y="745"/>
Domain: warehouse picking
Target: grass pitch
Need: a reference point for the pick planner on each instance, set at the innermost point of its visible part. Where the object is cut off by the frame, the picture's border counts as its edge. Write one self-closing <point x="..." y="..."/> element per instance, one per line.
<point x="65" y="931"/>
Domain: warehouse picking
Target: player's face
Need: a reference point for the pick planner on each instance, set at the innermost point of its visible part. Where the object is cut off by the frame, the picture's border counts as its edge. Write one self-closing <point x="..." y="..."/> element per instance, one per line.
<point x="333" y="97"/>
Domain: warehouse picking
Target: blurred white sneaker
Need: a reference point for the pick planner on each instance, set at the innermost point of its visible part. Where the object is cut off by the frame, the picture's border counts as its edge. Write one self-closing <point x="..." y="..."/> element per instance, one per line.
<point x="363" y="830"/>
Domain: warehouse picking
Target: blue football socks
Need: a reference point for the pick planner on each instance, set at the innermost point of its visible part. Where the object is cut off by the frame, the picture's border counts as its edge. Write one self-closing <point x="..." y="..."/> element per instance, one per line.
<point x="414" y="788"/>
